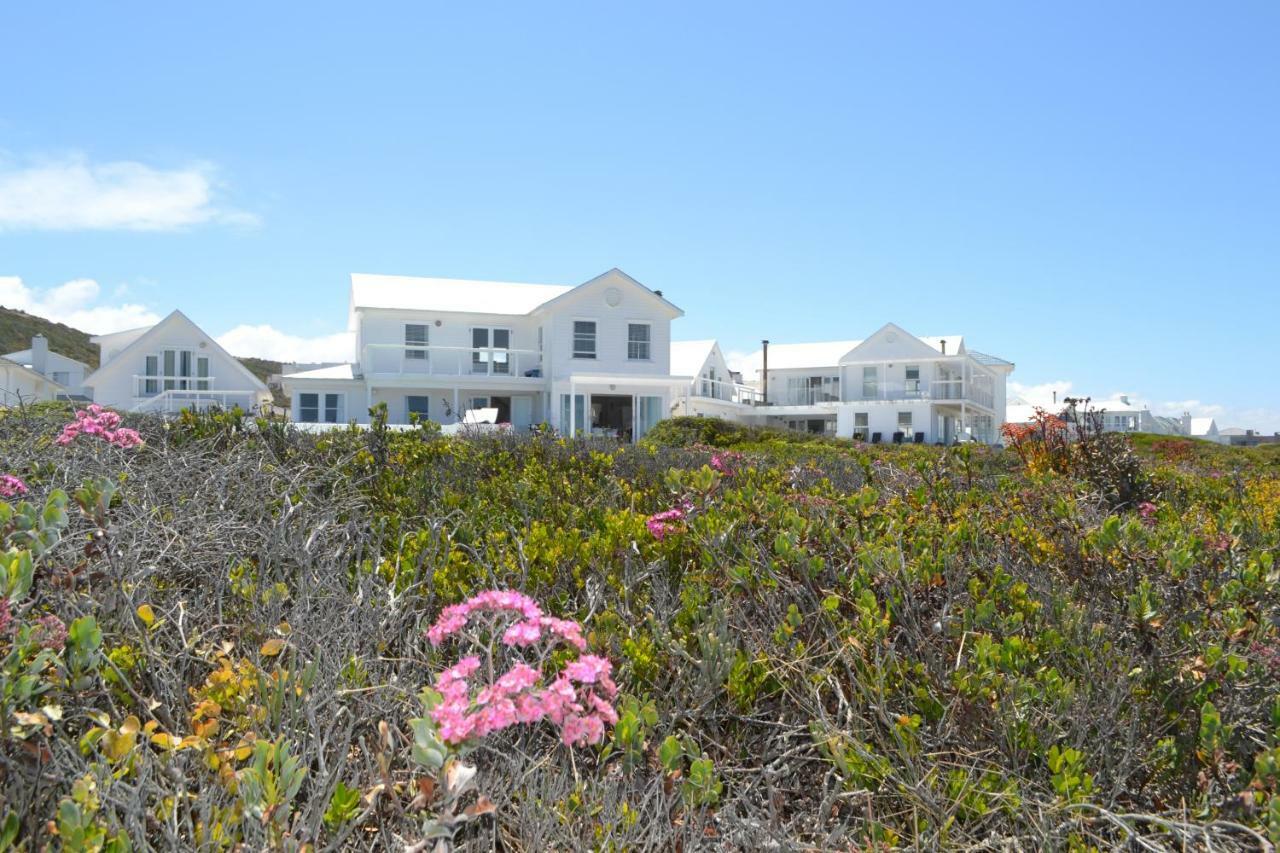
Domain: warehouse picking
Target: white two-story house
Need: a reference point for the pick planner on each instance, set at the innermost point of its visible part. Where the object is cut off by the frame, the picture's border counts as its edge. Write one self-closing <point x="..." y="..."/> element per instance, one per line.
<point x="891" y="387"/>
<point x="168" y="367"/>
<point x="592" y="358"/>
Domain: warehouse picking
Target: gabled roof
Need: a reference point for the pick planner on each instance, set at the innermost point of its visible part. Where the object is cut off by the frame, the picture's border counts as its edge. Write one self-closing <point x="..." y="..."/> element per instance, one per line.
<point x="687" y="357"/>
<point x="11" y="365"/>
<point x="458" y="295"/>
<point x="23" y="357"/>
<point x="416" y="293"/>
<point x="175" y="317"/>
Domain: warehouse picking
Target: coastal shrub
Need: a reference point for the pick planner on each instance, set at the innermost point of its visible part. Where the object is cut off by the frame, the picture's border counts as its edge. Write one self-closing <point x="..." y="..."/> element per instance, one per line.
<point x="220" y="638"/>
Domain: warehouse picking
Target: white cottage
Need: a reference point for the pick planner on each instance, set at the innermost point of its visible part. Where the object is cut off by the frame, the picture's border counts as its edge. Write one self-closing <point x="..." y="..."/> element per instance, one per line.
<point x="171" y="366"/>
<point x="66" y="372"/>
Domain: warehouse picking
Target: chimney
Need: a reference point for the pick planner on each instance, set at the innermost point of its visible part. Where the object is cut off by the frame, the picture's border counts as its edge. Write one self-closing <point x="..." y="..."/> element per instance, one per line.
<point x="658" y="293"/>
<point x="40" y="354"/>
<point x="944" y="346"/>
<point x="1124" y="398"/>
<point x="764" y="373"/>
<point x="1055" y="398"/>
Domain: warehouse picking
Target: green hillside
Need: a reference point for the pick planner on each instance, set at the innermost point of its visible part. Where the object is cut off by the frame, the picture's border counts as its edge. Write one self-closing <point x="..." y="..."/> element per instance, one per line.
<point x="17" y="327"/>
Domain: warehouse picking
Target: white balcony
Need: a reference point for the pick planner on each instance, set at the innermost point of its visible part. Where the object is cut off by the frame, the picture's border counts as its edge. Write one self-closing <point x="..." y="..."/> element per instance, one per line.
<point x="412" y="362"/>
<point x="729" y="392"/>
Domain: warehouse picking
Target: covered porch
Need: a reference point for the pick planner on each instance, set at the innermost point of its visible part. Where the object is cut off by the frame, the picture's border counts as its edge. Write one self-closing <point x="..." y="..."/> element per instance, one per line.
<point x="611" y="406"/>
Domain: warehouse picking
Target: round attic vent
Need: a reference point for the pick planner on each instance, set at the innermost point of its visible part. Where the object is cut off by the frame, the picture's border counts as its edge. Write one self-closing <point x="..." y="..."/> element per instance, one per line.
<point x="613" y="296"/>
<point x="892" y="337"/>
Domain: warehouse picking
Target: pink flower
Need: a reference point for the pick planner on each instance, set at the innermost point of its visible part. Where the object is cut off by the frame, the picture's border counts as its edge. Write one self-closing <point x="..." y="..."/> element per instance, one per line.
<point x="455" y="617"/>
<point x="51" y="632"/>
<point x="99" y="422"/>
<point x="662" y="523"/>
<point x="6" y="616"/>
<point x="11" y="486"/>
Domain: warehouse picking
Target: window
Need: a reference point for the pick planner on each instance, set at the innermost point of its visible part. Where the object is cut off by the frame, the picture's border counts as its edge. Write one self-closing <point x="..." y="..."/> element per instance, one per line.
<point x="415" y="335"/>
<point x="478" y="403"/>
<point x="584" y="339"/>
<point x="62" y="377"/>
<point x="152" y="385"/>
<point x="861" y="426"/>
<point x="491" y="359"/>
<point x="638" y="341"/>
<point x="332" y="408"/>
<point x="913" y="379"/>
<point x="202" y="373"/>
<point x="904" y="423"/>
<point x="308" y="408"/>
<point x="416" y="405"/>
<point x="170" y="368"/>
<point x="870" y="383"/>
<point x="648" y="413"/>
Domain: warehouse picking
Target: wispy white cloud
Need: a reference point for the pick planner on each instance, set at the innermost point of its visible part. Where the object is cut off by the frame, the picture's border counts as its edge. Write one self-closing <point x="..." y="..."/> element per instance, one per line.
<point x="71" y="194"/>
<point x="75" y="304"/>
<point x="1042" y="395"/>
<point x="265" y="341"/>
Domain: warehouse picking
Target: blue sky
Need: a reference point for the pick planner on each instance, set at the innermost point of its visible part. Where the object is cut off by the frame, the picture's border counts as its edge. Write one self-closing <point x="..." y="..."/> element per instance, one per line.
<point x="1091" y="191"/>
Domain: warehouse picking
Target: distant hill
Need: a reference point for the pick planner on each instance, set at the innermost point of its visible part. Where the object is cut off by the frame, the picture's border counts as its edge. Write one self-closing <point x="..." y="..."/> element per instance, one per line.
<point x="17" y="328"/>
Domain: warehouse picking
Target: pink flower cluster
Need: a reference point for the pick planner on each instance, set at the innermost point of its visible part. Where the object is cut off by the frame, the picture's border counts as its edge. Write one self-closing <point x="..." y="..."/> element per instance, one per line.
<point x="578" y="701"/>
<point x="11" y="486"/>
<point x="526" y="632"/>
<point x="100" y="422"/>
<point x="727" y="462"/>
<point x="1148" y="511"/>
<point x="51" y="632"/>
<point x="662" y="523"/>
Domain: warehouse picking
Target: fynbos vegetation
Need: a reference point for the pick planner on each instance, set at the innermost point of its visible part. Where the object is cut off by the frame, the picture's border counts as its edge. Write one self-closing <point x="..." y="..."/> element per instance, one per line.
<point x="216" y="633"/>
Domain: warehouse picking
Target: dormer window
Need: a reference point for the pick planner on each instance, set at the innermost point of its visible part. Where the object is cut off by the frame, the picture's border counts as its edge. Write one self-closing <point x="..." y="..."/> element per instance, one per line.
<point x="584" y="338"/>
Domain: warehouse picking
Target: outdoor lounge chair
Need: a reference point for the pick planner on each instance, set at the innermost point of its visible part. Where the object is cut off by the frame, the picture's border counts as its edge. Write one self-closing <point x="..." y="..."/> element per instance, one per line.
<point x="875" y="438"/>
<point x="919" y="438"/>
<point x="897" y="437"/>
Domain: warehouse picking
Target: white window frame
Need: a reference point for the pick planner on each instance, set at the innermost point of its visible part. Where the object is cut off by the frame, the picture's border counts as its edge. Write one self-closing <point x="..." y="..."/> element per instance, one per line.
<point x="633" y="345"/>
<point x="862" y="425"/>
<point x="408" y="411"/>
<point x="303" y="407"/>
<point x="872" y="373"/>
<point x="595" y="340"/>
<point x="419" y="348"/>
<point x="488" y="355"/>
<point x="909" y="419"/>
<point x="910" y="385"/>
<point x="339" y="403"/>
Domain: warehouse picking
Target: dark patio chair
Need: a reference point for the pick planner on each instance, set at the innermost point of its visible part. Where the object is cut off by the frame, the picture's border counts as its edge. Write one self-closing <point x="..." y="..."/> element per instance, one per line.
<point x="875" y="438"/>
<point x="897" y="437"/>
<point x="919" y="438"/>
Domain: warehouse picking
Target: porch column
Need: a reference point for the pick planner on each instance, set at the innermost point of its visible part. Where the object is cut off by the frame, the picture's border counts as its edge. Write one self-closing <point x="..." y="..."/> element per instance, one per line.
<point x="573" y="411"/>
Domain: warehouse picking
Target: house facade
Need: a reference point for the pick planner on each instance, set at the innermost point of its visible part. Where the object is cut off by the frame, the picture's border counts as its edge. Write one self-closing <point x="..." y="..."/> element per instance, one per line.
<point x="62" y="370"/>
<point x="168" y="367"/>
<point x="20" y="385"/>
<point x="890" y="387"/>
<point x="592" y="358"/>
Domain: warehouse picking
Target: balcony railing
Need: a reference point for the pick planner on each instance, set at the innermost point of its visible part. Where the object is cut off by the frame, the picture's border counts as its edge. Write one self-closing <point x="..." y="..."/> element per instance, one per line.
<point x="175" y="400"/>
<point x="729" y="392"/>
<point x="925" y="390"/>
<point x="149" y="386"/>
<point x="411" y="360"/>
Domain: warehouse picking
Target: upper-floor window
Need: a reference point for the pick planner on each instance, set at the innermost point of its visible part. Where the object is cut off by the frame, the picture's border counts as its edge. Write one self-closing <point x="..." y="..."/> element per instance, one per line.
<point x="584" y="339"/>
<point x="490" y="354"/>
<point x="175" y="369"/>
<point x="913" y="379"/>
<point x="870" y="383"/>
<point x="638" y="335"/>
<point x="415" y="341"/>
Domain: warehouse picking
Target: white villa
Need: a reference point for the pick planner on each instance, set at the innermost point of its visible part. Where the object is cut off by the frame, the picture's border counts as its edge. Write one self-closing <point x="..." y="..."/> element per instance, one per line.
<point x="891" y="387"/>
<point x="592" y="358"/>
<point x="1122" y="415"/>
<point x="168" y="367"/>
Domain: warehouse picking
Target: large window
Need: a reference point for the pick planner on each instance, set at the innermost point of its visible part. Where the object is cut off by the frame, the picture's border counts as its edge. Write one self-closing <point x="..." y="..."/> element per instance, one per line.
<point x="576" y="407"/>
<point x="584" y="339"/>
<point x="309" y="408"/>
<point x="638" y="341"/>
<point x="183" y="370"/>
<point x="648" y="413"/>
<point x="332" y="408"/>
<point x="417" y="405"/>
<point x="490" y="354"/>
<point x="904" y="423"/>
<point x="152" y="385"/>
<point x="870" y="383"/>
<point x="415" y="341"/>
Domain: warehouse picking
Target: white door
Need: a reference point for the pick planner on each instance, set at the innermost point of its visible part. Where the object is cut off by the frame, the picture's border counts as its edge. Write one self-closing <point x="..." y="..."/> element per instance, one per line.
<point x="521" y="412"/>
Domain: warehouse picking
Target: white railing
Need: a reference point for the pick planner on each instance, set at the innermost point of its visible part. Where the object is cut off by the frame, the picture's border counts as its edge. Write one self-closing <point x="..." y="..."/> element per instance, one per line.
<point x="148" y="386"/>
<point x="926" y="390"/>
<point x="411" y="360"/>
<point x="175" y="400"/>
<point x="729" y="392"/>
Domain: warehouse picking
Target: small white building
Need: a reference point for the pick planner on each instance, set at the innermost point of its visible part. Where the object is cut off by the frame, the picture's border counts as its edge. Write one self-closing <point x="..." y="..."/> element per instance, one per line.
<point x="60" y="369"/>
<point x="591" y="358"/>
<point x="171" y="366"/>
<point x="891" y="387"/>
<point x="713" y="392"/>
<point x="20" y="385"/>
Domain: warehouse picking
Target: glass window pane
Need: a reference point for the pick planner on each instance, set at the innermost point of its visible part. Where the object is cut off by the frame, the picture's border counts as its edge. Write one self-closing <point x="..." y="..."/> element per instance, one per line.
<point x="415" y="334"/>
<point x="309" y="408"/>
